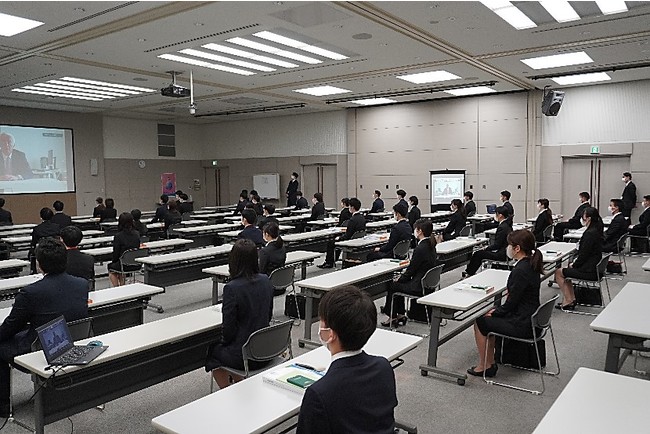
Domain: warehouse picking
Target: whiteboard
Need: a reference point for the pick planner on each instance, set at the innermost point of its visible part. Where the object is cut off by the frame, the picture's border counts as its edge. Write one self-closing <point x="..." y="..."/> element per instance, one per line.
<point x="267" y="185"/>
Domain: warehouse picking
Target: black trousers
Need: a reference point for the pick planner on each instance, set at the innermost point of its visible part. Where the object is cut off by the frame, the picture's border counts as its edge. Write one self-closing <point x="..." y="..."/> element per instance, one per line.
<point x="8" y="350"/>
<point x="478" y="257"/>
<point x="375" y="256"/>
<point x="332" y="254"/>
<point x="399" y="307"/>
<point x="560" y="228"/>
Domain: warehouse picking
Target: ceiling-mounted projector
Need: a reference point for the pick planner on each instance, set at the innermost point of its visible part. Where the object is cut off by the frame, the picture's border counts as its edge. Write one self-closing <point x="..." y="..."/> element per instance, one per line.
<point x="175" y="91"/>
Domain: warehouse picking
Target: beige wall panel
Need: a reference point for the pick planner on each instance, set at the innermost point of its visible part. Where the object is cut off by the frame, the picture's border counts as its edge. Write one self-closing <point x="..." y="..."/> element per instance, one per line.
<point x="502" y="160"/>
<point x="503" y="107"/>
<point x="640" y="161"/>
<point x="510" y="132"/>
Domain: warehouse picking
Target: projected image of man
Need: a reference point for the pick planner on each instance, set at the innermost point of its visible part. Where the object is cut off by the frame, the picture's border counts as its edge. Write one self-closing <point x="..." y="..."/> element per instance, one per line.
<point x="14" y="163"/>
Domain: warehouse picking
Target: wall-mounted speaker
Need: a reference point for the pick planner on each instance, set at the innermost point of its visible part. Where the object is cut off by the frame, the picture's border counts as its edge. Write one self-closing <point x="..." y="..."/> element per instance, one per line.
<point x="552" y="102"/>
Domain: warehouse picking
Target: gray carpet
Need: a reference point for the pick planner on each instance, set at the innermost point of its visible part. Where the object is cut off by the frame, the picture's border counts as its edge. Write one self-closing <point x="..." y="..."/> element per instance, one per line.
<point x="434" y="405"/>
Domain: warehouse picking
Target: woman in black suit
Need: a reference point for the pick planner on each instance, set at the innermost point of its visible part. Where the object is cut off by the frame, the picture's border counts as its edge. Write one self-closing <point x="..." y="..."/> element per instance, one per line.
<point x="345" y="213"/>
<point x="590" y="252"/>
<point x="456" y="221"/>
<point x="410" y="282"/>
<point x="544" y="220"/>
<point x="414" y="212"/>
<point x="127" y="238"/>
<point x="273" y="255"/>
<point x="109" y="213"/>
<point x="247" y="307"/>
<point x="512" y="317"/>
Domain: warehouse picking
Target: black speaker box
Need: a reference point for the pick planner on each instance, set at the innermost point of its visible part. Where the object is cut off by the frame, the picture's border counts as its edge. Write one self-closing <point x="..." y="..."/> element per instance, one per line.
<point x="552" y="102"/>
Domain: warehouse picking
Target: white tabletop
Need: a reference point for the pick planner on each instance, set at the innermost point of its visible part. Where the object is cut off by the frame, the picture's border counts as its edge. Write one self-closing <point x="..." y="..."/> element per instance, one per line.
<point x="20" y="226"/>
<point x="618" y="402"/>
<point x="218" y="207"/>
<point x="515" y="227"/>
<point x="459" y="297"/>
<point x="158" y="244"/>
<point x="87" y="220"/>
<point x="311" y="235"/>
<point x="98" y="251"/>
<point x="208" y="228"/>
<point x="627" y="313"/>
<point x="121" y="293"/>
<point x="272" y="404"/>
<point x="139" y="338"/>
<point x="561" y="251"/>
<point x="301" y="211"/>
<point x="96" y="240"/>
<point x="17" y="239"/>
<point x="325" y="222"/>
<point x="381" y="223"/>
<point x="646" y="266"/>
<point x="210" y="215"/>
<point x="292" y="258"/>
<point x="13" y="263"/>
<point x="192" y="222"/>
<point x="367" y="241"/>
<point x="16" y="232"/>
<point x="575" y="234"/>
<point x="555" y="217"/>
<point x="383" y="214"/>
<point x="92" y="232"/>
<point x="186" y="255"/>
<point x="459" y="243"/>
<point x="293" y="218"/>
<point x="349" y="276"/>
<point x="19" y="282"/>
<point x="481" y="217"/>
<point x="436" y="214"/>
<point x="156" y="225"/>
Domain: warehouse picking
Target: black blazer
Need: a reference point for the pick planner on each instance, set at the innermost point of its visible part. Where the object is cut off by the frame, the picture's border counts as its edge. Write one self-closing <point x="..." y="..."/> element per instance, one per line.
<point x="302" y="203"/>
<point x="403" y="202"/>
<point x="642" y="227"/>
<point x="241" y="205"/>
<point x="577" y="216"/>
<point x="140" y="227"/>
<point x="508" y="205"/>
<point x="123" y="241"/>
<point x="414" y="215"/>
<point x="80" y="264"/>
<point x="317" y="211"/>
<point x="161" y="211"/>
<point x="272" y="257"/>
<point x="543" y="220"/>
<point x="523" y="296"/>
<point x="108" y="215"/>
<point x="5" y="217"/>
<point x="62" y="219"/>
<point x="43" y="230"/>
<point x="501" y="237"/>
<point x="172" y="218"/>
<point x="401" y="231"/>
<point x="19" y="165"/>
<point x="616" y="229"/>
<point x="357" y="395"/>
<point x="262" y="221"/>
<point x="590" y="251"/>
<point x="252" y="232"/>
<point x="422" y="260"/>
<point x="470" y="208"/>
<point x="344" y="216"/>
<point x="456" y="223"/>
<point x="356" y="223"/>
<point x="42" y="301"/>
<point x="184" y="207"/>
<point x="97" y="211"/>
<point x="377" y="205"/>
<point x="258" y="208"/>
<point x="629" y="196"/>
<point x="292" y="188"/>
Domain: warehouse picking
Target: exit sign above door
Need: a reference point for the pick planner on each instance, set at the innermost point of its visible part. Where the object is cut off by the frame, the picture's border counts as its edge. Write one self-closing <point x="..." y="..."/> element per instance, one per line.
<point x="595" y="150"/>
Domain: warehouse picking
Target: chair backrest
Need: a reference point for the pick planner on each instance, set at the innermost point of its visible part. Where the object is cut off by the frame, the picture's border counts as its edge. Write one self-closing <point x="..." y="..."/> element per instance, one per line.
<point x="358" y="234"/>
<point x="128" y="257"/>
<point x="81" y="328"/>
<point x="186" y="216"/>
<point x="282" y="278"/>
<point x="401" y="249"/>
<point x="620" y="243"/>
<point x="601" y="268"/>
<point x="548" y="232"/>
<point x="268" y="343"/>
<point x="466" y="231"/>
<point x="171" y="229"/>
<point x="542" y="316"/>
<point x="431" y="281"/>
<point x="144" y="239"/>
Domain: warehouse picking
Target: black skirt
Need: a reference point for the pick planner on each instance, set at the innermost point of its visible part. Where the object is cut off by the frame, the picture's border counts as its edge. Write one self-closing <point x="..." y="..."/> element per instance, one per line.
<point x="220" y="356"/>
<point x="487" y="324"/>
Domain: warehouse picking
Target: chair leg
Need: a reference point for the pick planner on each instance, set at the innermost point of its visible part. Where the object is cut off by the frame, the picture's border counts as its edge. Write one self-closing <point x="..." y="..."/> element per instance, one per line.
<point x="11" y="418"/>
<point x="296" y="321"/>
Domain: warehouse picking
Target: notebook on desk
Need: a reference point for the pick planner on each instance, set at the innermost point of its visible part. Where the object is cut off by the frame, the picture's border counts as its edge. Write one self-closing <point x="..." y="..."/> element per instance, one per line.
<point x="59" y="348"/>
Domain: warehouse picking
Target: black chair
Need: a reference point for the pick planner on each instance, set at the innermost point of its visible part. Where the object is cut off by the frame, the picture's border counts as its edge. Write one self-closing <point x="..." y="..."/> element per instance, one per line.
<point x="466" y="231"/>
<point x="128" y="264"/>
<point x="401" y="249"/>
<point x="282" y="278"/>
<point x="429" y="283"/>
<point x="601" y="271"/>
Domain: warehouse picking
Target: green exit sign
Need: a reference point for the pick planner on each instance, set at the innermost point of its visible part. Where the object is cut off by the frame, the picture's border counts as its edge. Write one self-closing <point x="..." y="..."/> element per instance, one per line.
<point x="215" y="163"/>
<point x="595" y="150"/>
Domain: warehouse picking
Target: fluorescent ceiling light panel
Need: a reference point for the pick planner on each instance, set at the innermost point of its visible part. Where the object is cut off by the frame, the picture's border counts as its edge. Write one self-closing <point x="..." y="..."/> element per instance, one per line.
<point x="592" y="77"/>
<point x="557" y="60"/>
<point x="269" y="36"/>
<point x="73" y="90"/>
<point x="60" y="92"/>
<point x="222" y="59"/>
<point x="428" y="77"/>
<point x="46" y="93"/>
<point x="195" y="62"/>
<point x="273" y="50"/>
<point x="104" y="83"/>
<point x="322" y="90"/>
<point x="373" y="101"/>
<point x="508" y="12"/>
<point x="90" y="87"/>
<point x="11" y="25"/>
<point x="608" y="7"/>
<point x="249" y="55"/>
<point x="476" y="90"/>
<point x="561" y="10"/>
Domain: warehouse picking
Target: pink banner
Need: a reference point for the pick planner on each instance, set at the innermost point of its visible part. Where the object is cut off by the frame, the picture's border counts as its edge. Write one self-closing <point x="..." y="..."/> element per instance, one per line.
<point x="168" y="181"/>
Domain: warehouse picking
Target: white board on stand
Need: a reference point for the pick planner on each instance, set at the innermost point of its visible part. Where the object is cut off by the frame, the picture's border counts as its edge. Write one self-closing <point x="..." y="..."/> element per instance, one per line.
<point x="267" y="185"/>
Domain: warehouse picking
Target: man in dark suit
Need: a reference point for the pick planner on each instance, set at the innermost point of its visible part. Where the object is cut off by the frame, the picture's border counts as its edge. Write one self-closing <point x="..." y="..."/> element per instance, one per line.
<point x="267" y="216"/>
<point x="414" y="213"/>
<point x="162" y="209"/>
<point x="184" y="204"/>
<point x="14" y="164"/>
<point x="243" y="201"/>
<point x="59" y="217"/>
<point x="357" y="395"/>
<point x="250" y="232"/>
<point x="470" y="206"/>
<point x="5" y="216"/>
<point x="641" y="229"/>
<point x="79" y="263"/>
<point x="400" y="232"/>
<point x="401" y="194"/>
<point x="318" y="210"/>
<point x="301" y="202"/>
<point x="47" y="228"/>
<point x="575" y="221"/>
<point x="629" y="195"/>
<point x="505" y="198"/>
<point x="56" y="294"/>
<point x="356" y="223"/>
<point x="292" y="190"/>
<point x="617" y="228"/>
<point x="378" y="203"/>
<point x="497" y="250"/>
<point x="345" y="214"/>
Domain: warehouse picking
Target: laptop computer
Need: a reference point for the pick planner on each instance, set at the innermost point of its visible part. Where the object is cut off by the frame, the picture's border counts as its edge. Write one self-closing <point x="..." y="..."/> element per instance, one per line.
<point x="59" y="347"/>
<point x="491" y="208"/>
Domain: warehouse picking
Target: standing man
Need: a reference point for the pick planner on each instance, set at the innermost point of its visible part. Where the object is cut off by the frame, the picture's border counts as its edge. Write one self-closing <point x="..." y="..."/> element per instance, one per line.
<point x="575" y="221"/>
<point x="292" y="189"/>
<point x="629" y="195"/>
<point x="14" y="165"/>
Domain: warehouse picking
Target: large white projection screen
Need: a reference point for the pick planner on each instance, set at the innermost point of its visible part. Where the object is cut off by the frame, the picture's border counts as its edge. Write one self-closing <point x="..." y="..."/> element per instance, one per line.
<point x="446" y="186"/>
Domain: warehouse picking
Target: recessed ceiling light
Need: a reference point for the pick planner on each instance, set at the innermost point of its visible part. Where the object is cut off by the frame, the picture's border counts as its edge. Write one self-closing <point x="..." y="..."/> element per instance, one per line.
<point x="46" y="93"/>
<point x="273" y="50"/>
<point x="269" y="36"/>
<point x="592" y="77"/>
<point x="142" y="40"/>
<point x="373" y="101"/>
<point x="92" y="87"/>
<point x="557" y="60"/>
<point x="428" y="77"/>
<point x="228" y="60"/>
<point x="107" y="84"/>
<point x="561" y="10"/>
<point x="322" y="90"/>
<point x="608" y="7"/>
<point x="71" y="90"/>
<point x="195" y="62"/>
<point x="249" y="55"/>
<point x="510" y="14"/>
<point x="476" y="90"/>
<point x="11" y="25"/>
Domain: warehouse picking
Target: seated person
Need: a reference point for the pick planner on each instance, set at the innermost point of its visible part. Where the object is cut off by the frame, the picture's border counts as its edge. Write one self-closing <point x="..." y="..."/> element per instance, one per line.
<point x="56" y="294"/>
<point x="505" y="201"/>
<point x="617" y="228"/>
<point x="14" y="164"/>
<point x="273" y="255"/>
<point x="345" y="213"/>
<point x="173" y="216"/>
<point x="301" y="202"/>
<point x="97" y="211"/>
<point x="162" y="209"/>
<point x="243" y="201"/>
<point x="47" y="228"/>
<point x="457" y="221"/>
<point x="377" y="203"/>
<point x="410" y="281"/>
<point x="414" y="212"/>
<point x="356" y="223"/>
<point x="590" y="252"/>
<point x="184" y="204"/>
<point x="79" y="264"/>
<point x="60" y="218"/>
<point x="126" y="238"/>
<point x="109" y="214"/>
<point x="268" y="216"/>
<point x="512" y="318"/>
<point x="137" y="224"/>
<point x="257" y="204"/>
<point x="400" y="232"/>
<point x="470" y="206"/>
<point x="247" y="307"/>
<point x="497" y="250"/>
<point x="573" y="222"/>
<point x="357" y="394"/>
<point x="401" y="194"/>
<point x="5" y="216"/>
<point x="250" y="231"/>
<point x="640" y="229"/>
<point x="544" y="219"/>
<point x="318" y="210"/>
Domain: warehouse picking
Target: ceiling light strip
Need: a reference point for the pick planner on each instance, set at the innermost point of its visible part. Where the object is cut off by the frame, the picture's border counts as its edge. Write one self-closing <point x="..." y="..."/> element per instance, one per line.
<point x="11" y="25"/>
<point x="558" y="60"/>
<point x="84" y="92"/>
<point x="222" y="59"/>
<point x="293" y="43"/>
<point x="510" y="14"/>
<point x="560" y="10"/>
<point x="593" y="77"/>
<point x="247" y="55"/>
<point x="110" y="90"/>
<point x="40" y="87"/>
<point x="36" y="92"/>
<point x="273" y="50"/>
<point x="608" y="7"/>
<point x="190" y="61"/>
<point x="593" y="70"/>
<point x="103" y="83"/>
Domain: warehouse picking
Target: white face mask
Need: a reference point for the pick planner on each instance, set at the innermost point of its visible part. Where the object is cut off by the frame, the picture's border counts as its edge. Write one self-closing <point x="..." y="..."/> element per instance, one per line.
<point x="415" y="234"/>
<point x="509" y="252"/>
<point x="623" y="179"/>
<point x="322" y="329"/>
<point x="584" y="222"/>
<point x="452" y="208"/>
<point x="611" y="210"/>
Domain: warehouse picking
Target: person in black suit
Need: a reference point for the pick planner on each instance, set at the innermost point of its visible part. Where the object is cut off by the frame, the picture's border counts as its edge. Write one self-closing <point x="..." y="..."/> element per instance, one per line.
<point x="457" y="221"/>
<point x="377" y="203"/>
<point x="56" y="294"/>
<point x="318" y="210"/>
<point x="127" y="238"/>
<point x="357" y="394"/>
<point x="5" y="216"/>
<point x="172" y="217"/>
<point x="414" y="212"/>
<point x="400" y="232"/>
<point x="470" y="206"/>
<point x="401" y="194"/>
<point x="109" y="214"/>
<point x="617" y="228"/>
<point x="505" y="198"/>
<point x="97" y="211"/>
<point x="292" y="190"/>
<point x="257" y="206"/>
<point x="345" y="214"/>
<point x="629" y="195"/>
<point x="544" y="219"/>
<point x="590" y="251"/>
<point x="137" y="224"/>
<point x="250" y="231"/>
<point x="497" y="250"/>
<point x="356" y="223"/>
<point x="79" y="264"/>
<point x="14" y="165"/>
<point x="243" y="201"/>
<point x="301" y="202"/>
<point x="573" y="222"/>
<point x="60" y="218"/>
<point x="410" y="281"/>
<point x="273" y="255"/>
<point x="640" y="229"/>
<point x="247" y="307"/>
<point x="45" y="229"/>
<point x="512" y="317"/>
<point x="268" y="216"/>
<point x="184" y="204"/>
<point x="161" y="210"/>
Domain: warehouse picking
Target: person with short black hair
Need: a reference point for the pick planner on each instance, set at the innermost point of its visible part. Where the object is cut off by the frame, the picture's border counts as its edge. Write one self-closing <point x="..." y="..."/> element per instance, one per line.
<point x="162" y="209"/>
<point x="401" y="194"/>
<point x="173" y="216"/>
<point x="355" y="224"/>
<point x="292" y="190"/>
<point x="127" y="238"/>
<point x="243" y="201"/>
<point x="79" y="263"/>
<point x="257" y="204"/>
<point x="268" y="216"/>
<point x="505" y="198"/>
<point x="400" y="232"/>
<point x="47" y="228"/>
<point x="358" y="393"/>
<point x="628" y="196"/>
<point x="137" y="224"/>
<point x="497" y="250"/>
<point x="252" y="194"/>
<point x="250" y="231"/>
<point x="5" y="216"/>
<point x="457" y="221"/>
<point x="345" y="213"/>
<point x="273" y="255"/>
<point x="641" y="229"/>
<point x="414" y="212"/>
<point x="544" y="219"/>
<point x="59" y="217"/>
<point x="247" y="307"/>
<point x="99" y="206"/>
<point x="56" y="294"/>
<point x="617" y="228"/>
<point x="301" y="202"/>
<point x="109" y="214"/>
<point x="318" y="210"/>
<point x="185" y="205"/>
<point x="377" y="203"/>
<point x="470" y="206"/>
<point x="573" y="222"/>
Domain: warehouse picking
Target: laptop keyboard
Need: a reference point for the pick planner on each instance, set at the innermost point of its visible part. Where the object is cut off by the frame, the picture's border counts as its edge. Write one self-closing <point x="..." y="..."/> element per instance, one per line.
<point x="73" y="355"/>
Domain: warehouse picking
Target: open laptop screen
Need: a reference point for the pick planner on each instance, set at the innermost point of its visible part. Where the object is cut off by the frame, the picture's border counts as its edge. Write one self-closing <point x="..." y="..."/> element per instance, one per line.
<point x="55" y="338"/>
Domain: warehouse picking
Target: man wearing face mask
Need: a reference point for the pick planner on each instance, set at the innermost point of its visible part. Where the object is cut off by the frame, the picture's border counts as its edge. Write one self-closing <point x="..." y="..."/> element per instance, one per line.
<point x="617" y="228"/>
<point x="497" y="250"/>
<point x="640" y="230"/>
<point x="573" y="222"/>
<point x="357" y="395"/>
<point x="629" y="195"/>
<point x="318" y="210"/>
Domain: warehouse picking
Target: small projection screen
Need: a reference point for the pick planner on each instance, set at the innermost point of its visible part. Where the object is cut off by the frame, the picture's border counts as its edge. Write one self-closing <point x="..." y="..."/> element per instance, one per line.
<point x="446" y="185"/>
<point x="36" y="160"/>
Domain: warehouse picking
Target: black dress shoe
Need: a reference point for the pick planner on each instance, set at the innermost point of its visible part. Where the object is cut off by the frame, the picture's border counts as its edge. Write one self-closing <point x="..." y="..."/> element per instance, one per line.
<point x="567" y="307"/>
<point x="489" y="372"/>
<point x="4" y="411"/>
<point x="325" y="265"/>
<point x="395" y="322"/>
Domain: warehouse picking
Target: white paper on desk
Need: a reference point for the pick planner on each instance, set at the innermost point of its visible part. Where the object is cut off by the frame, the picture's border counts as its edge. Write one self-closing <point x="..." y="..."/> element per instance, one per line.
<point x="483" y="289"/>
<point x="280" y="376"/>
